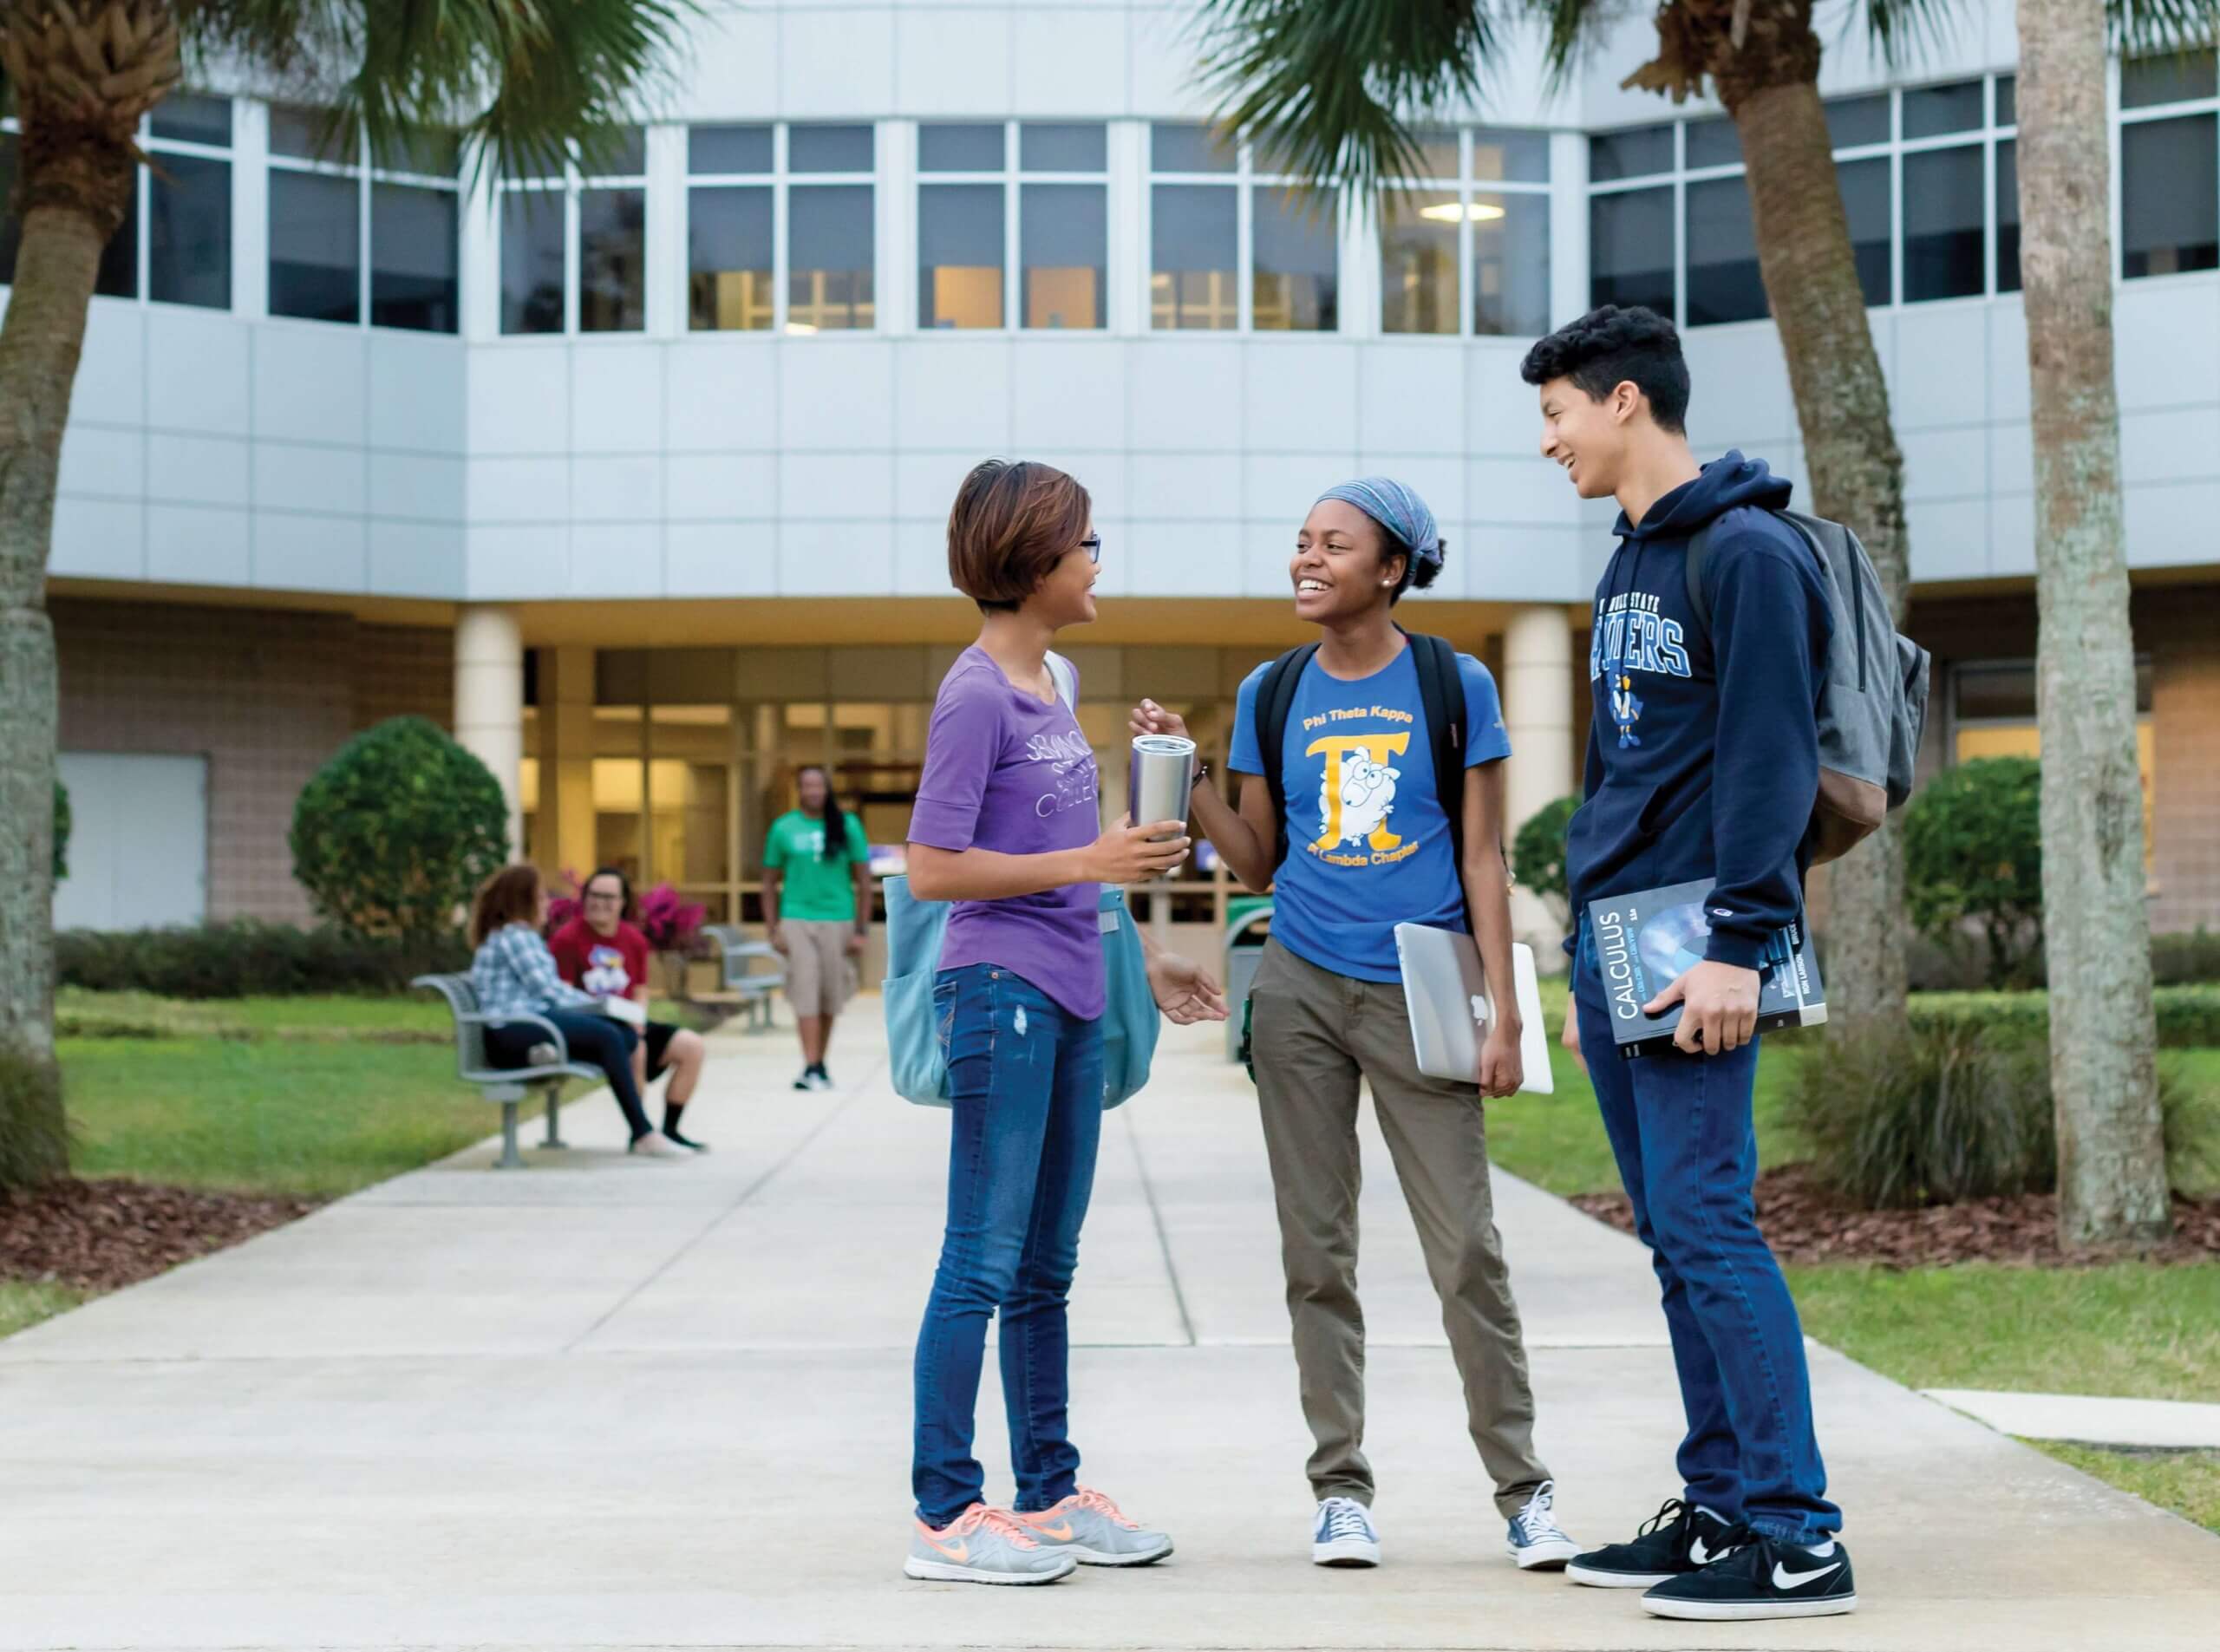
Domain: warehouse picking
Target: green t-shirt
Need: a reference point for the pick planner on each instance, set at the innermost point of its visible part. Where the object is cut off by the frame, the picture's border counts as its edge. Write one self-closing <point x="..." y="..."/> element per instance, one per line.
<point x="815" y="889"/>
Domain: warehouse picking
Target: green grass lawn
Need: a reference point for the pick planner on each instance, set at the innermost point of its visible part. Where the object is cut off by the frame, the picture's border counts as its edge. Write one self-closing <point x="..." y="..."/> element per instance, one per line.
<point x="312" y="1118"/>
<point x="2188" y="1482"/>
<point x="311" y="1097"/>
<point x="22" y="1303"/>
<point x="116" y="1015"/>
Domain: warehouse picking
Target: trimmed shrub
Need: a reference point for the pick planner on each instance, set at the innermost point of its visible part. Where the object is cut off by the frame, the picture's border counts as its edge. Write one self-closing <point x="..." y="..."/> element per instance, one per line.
<point x="243" y="958"/>
<point x="1537" y="854"/>
<point x="2179" y="960"/>
<point x="61" y="831"/>
<point x="1974" y="857"/>
<point x="2189" y="1017"/>
<point x="394" y="833"/>
<point x="1951" y="1111"/>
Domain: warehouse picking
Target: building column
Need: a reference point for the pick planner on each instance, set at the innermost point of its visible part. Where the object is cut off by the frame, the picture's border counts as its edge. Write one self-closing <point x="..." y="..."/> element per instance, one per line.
<point x="1538" y="715"/>
<point x="489" y="697"/>
<point x="567" y="838"/>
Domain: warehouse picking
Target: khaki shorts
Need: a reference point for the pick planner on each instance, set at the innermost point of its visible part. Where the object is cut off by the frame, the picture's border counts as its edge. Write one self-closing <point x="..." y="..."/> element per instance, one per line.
<point x="820" y="976"/>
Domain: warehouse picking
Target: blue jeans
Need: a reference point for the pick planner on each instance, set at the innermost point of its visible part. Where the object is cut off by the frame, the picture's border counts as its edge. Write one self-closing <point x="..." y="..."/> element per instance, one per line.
<point x="1681" y="1130"/>
<point x="595" y="1040"/>
<point x="1025" y="1080"/>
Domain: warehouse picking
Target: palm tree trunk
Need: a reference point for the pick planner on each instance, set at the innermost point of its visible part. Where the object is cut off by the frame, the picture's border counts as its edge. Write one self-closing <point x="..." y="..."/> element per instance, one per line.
<point x="1842" y="408"/>
<point x="40" y="342"/>
<point x="2112" y="1162"/>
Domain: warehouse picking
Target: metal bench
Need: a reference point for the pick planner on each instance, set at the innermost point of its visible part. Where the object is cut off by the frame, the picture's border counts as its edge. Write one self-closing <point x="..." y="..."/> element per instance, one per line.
<point x="743" y="987"/>
<point x="550" y="1063"/>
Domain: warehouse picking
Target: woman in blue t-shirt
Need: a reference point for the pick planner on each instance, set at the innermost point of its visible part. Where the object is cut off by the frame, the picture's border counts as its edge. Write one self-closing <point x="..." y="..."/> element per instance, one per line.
<point x="1369" y="846"/>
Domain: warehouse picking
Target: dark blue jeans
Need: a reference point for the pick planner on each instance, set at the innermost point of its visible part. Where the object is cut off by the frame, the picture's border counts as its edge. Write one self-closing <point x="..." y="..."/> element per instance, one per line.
<point x="1681" y="1131"/>
<point x="1026" y="1082"/>
<point x="595" y="1040"/>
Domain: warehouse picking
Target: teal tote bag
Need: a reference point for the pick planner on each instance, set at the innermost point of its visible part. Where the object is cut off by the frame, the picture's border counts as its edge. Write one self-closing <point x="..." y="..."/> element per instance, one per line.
<point x="917" y="1044"/>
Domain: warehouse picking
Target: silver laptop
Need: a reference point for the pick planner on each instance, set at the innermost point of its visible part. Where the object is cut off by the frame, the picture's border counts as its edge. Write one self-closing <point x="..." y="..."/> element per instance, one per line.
<point x="1447" y="996"/>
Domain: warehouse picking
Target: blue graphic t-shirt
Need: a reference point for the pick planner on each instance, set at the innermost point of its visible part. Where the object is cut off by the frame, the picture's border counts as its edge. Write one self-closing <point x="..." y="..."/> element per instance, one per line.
<point x="1368" y="846"/>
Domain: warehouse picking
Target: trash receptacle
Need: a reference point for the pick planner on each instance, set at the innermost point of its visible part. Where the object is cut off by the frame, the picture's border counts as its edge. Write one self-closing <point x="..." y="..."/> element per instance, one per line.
<point x="1249" y="920"/>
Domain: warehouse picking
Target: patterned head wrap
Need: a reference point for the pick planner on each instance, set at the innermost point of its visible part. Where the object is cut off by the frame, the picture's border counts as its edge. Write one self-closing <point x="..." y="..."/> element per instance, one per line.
<point x="1397" y="508"/>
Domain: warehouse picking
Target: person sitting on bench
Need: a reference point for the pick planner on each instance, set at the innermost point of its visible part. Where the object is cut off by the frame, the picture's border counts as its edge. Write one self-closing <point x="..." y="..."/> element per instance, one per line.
<point x="514" y="974"/>
<point x="602" y="951"/>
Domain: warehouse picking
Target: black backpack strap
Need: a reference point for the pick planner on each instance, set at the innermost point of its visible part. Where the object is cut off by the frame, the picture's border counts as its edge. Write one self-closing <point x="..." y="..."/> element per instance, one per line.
<point x="1274" y="704"/>
<point x="1699" y="554"/>
<point x="1441" y="691"/>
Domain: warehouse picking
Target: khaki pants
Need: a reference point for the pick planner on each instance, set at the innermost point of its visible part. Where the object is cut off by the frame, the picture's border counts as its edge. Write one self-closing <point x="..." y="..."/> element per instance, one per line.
<point x="818" y="975"/>
<point x="1314" y="1032"/>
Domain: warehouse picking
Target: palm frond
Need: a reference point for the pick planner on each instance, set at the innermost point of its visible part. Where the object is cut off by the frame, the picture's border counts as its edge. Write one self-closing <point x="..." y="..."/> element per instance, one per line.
<point x="1902" y="28"/>
<point x="2148" y="26"/>
<point x="523" y="81"/>
<point x="1325" y="87"/>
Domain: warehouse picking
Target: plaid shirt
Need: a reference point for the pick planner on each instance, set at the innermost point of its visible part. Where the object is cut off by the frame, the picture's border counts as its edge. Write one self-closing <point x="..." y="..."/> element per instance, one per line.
<point x="514" y="973"/>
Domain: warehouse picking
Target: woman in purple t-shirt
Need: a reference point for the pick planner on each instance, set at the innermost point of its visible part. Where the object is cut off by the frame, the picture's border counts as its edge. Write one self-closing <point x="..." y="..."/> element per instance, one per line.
<point x="1007" y="827"/>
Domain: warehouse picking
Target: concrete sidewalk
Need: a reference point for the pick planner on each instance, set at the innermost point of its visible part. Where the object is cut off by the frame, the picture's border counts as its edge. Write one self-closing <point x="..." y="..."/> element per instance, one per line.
<point x="607" y="1402"/>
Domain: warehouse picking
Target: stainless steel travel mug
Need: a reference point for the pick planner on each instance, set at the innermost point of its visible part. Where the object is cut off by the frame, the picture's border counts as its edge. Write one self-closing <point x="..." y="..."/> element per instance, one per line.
<point x="1161" y="783"/>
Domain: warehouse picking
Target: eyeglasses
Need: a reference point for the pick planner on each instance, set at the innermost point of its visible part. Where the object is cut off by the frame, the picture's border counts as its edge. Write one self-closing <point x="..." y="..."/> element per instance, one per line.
<point x="593" y="896"/>
<point x="1092" y="545"/>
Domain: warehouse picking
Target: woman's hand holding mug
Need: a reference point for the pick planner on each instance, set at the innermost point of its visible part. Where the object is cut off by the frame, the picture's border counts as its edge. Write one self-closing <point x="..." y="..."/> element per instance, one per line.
<point x="1131" y="854"/>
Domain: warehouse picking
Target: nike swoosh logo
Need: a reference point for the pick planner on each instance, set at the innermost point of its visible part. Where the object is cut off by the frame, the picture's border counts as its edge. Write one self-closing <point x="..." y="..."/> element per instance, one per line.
<point x="955" y="1551"/>
<point x="1700" y="1556"/>
<point x="1784" y="1578"/>
<point x="1058" y="1533"/>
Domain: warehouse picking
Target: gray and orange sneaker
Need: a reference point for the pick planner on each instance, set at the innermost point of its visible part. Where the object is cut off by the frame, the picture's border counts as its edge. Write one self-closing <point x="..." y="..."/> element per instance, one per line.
<point x="1095" y="1531"/>
<point x="983" y="1546"/>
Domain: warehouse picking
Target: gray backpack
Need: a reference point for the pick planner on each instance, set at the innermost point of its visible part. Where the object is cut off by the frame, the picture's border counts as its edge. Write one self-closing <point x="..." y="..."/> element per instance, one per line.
<point x="1872" y="700"/>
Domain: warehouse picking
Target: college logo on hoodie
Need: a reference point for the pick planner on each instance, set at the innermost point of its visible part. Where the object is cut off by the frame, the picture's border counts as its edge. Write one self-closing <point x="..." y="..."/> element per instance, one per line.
<point x="1631" y="636"/>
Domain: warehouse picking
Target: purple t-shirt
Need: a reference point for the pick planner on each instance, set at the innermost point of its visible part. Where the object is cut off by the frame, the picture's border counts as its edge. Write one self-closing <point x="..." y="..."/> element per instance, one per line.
<point x="1005" y="771"/>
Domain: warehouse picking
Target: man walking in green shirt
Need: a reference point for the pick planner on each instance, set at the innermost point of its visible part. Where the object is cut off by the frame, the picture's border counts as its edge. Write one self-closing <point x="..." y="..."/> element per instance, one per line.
<point x="817" y="906"/>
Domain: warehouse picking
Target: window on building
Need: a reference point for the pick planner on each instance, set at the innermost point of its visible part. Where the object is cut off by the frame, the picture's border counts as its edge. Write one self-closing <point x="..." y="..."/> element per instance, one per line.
<point x="961" y="225"/>
<point x="1724" y="281"/>
<point x="189" y="202"/>
<point x="326" y="201"/>
<point x="1945" y="221"/>
<point x="831" y="240"/>
<point x="612" y="211"/>
<point x="574" y="253"/>
<point x="1195" y="251"/>
<point x="731" y="248"/>
<point x="1296" y="256"/>
<point x="1631" y="249"/>
<point x="1064" y="252"/>
<point x="533" y="239"/>
<point x="2008" y="217"/>
<point x="2169" y="195"/>
<point x="315" y="217"/>
<point x="1478" y="219"/>
<point x="1952" y="143"/>
<point x="1234" y="245"/>
<point x="174" y="244"/>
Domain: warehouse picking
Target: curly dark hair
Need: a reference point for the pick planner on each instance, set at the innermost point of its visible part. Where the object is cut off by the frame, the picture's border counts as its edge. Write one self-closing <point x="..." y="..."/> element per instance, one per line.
<point x="1608" y="347"/>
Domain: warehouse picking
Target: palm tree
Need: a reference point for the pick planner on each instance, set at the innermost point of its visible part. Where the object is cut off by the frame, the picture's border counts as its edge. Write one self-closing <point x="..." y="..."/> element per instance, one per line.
<point x="2112" y="1159"/>
<point x="1329" y="84"/>
<point x="521" y="78"/>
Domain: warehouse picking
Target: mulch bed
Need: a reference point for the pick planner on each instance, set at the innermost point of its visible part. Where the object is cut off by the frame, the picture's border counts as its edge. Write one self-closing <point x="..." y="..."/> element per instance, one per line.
<point x="101" y="1235"/>
<point x="1805" y="1223"/>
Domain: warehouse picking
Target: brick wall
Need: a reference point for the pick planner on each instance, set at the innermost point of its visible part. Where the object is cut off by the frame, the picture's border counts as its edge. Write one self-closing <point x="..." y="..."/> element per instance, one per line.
<point x="266" y="696"/>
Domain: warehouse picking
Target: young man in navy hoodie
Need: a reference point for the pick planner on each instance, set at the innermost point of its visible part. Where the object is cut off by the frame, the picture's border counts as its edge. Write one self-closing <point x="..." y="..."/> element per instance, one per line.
<point x="1703" y="764"/>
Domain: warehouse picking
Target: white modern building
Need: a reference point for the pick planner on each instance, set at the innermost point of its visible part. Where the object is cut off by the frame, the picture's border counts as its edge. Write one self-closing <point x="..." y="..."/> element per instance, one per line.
<point x="637" y="478"/>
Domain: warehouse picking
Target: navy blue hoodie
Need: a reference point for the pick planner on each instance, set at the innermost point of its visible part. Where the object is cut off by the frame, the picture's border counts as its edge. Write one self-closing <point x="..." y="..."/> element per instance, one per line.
<point x="1703" y="757"/>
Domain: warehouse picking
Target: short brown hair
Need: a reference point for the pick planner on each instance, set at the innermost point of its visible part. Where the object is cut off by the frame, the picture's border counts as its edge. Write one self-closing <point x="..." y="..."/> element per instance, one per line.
<point x="510" y="896"/>
<point x="1011" y="524"/>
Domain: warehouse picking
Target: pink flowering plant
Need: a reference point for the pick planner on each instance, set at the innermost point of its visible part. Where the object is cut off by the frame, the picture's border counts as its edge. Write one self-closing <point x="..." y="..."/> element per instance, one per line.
<point x="671" y="922"/>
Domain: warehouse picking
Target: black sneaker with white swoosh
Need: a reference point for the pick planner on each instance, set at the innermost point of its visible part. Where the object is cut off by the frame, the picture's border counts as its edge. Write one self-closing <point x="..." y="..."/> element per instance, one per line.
<point x="1760" y="1577"/>
<point x="1678" y="1540"/>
